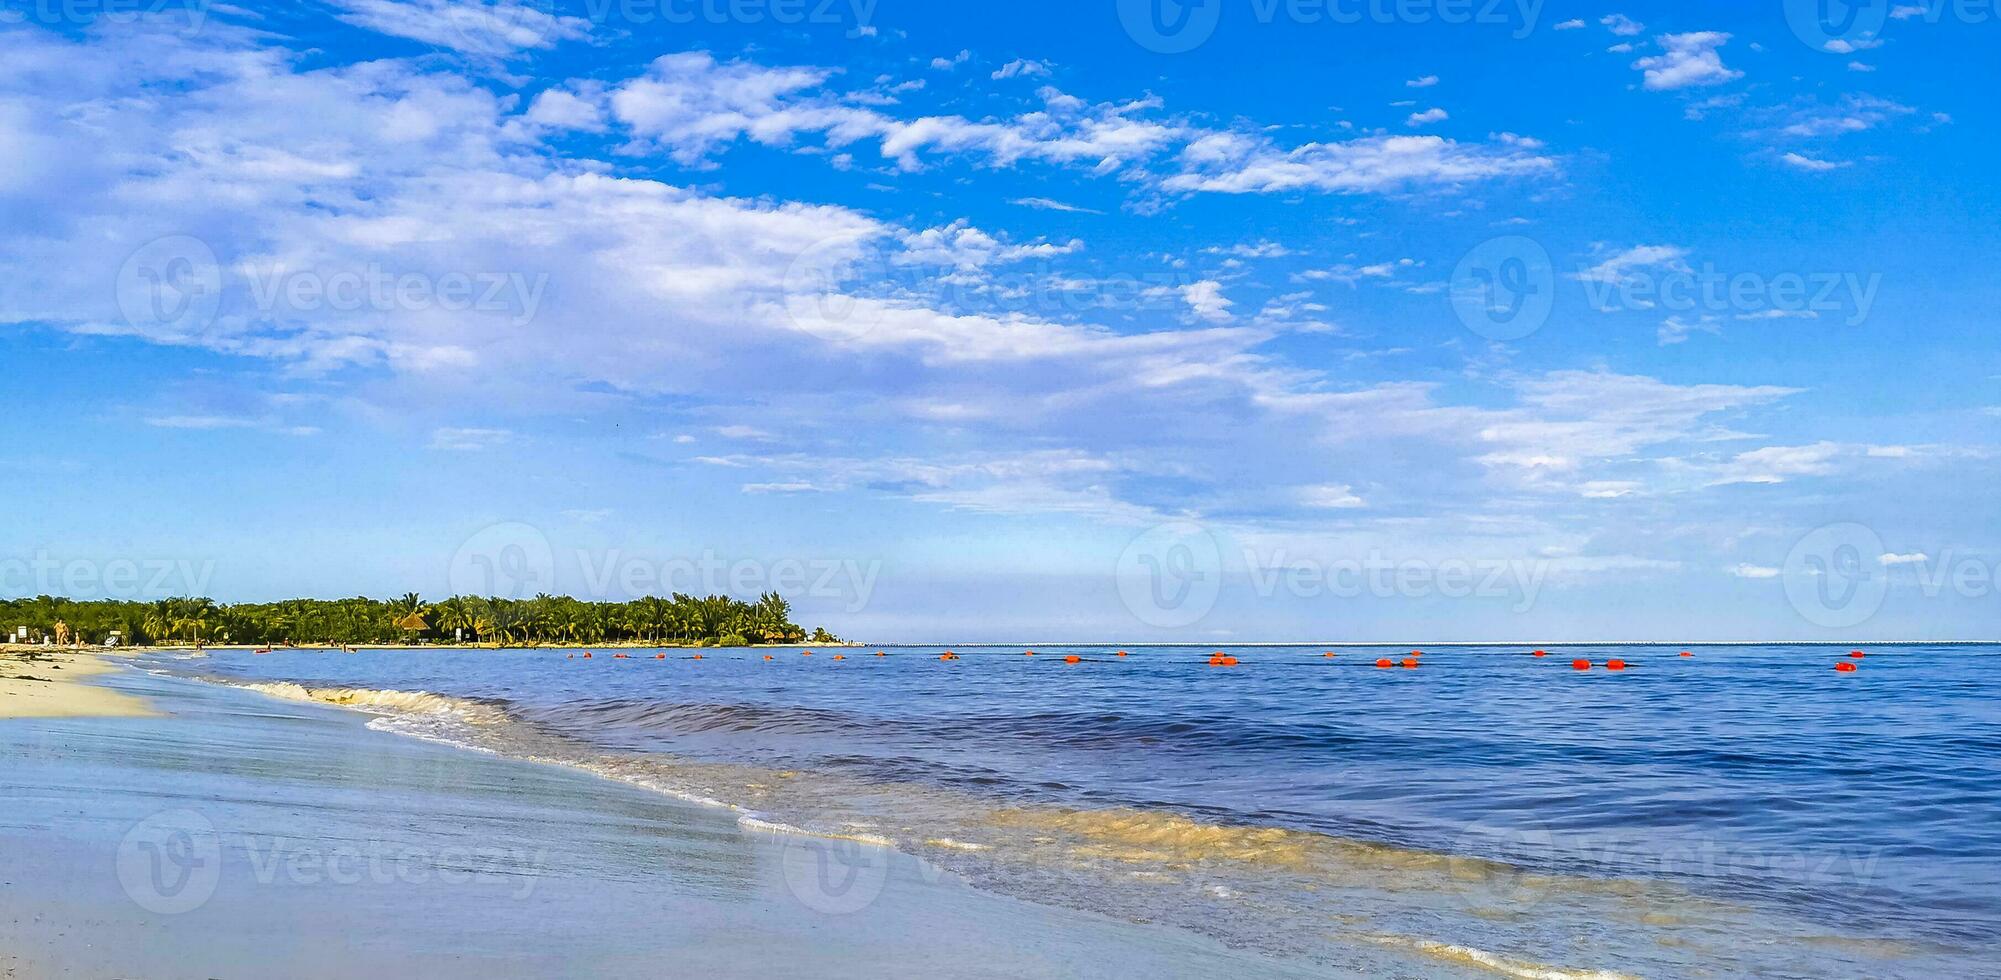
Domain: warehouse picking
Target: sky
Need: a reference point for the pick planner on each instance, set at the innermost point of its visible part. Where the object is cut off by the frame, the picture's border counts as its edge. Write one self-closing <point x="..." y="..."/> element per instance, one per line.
<point x="1121" y="320"/>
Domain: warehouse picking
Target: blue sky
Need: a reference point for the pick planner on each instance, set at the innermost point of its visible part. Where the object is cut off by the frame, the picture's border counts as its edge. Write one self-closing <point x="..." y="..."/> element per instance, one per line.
<point x="1015" y="321"/>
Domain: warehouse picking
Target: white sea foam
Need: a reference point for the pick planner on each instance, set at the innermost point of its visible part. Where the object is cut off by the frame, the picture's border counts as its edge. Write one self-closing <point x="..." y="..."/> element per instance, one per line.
<point x="1505" y="965"/>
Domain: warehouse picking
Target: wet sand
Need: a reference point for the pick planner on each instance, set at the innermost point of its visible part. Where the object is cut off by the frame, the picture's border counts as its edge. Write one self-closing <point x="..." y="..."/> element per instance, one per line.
<point x="238" y="836"/>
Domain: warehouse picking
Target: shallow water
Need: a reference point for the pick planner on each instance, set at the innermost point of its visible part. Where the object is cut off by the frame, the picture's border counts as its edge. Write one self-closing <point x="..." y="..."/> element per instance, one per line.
<point x="244" y="837"/>
<point x="1744" y="811"/>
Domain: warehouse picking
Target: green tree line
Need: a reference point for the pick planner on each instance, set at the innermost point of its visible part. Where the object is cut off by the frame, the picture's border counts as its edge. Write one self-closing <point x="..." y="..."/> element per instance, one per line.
<point x="545" y="619"/>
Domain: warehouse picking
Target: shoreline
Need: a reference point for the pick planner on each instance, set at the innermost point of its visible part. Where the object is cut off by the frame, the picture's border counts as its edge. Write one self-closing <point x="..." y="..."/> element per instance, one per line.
<point x="37" y="682"/>
<point x="305" y="821"/>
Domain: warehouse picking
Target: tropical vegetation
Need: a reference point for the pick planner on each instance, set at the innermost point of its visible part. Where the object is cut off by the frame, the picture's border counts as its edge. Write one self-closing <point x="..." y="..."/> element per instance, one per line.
<point x="542" y="620"/>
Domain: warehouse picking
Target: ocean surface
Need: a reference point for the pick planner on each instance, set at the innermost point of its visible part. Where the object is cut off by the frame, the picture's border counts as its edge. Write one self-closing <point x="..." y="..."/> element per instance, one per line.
<point x="1743" y="811"/>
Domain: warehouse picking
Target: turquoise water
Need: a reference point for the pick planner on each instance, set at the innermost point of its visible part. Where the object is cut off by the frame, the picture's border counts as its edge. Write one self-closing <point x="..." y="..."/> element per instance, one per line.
<point x="1745" y="810"/>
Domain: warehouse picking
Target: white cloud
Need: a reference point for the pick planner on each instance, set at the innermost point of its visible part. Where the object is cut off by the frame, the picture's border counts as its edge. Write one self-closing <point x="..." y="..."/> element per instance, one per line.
<point x="482" y="28"/>
<point x="1330" y="496"/>
<point x="1572" y="24"/>
<point x="1426" y="117"/>
<point x="1047" y="204"/>
<point x="1426" y="81"/>
<point x="1206" y="300"/>
<point x="1628" y="266"/>
<point x="1622" y="25"/>
<point x="1774" y="464"/>
<point x="1235" y="164"/>
<point x="1913" y="558"/>
<point x="563" y="109"/>
<point x="1023" y="67"/>
<point x="469" y="439"/>
<point x="1802" y="162"/>
<point x="1853" y="113"/>
<point x="947" y="64"/>
<point x="1688" y="60"/>
<point x="269" y="424"/>
<point x="1755" y="571"/>
<point x="1675" y="329"/>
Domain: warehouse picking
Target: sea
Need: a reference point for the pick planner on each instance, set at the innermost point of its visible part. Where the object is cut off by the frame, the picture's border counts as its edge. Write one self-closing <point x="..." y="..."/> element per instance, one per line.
<point x="1705" y="811"/>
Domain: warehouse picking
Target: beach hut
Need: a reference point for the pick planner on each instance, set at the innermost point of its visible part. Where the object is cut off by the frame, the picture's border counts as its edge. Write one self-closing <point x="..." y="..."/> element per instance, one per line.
<point x="412" y="625"/>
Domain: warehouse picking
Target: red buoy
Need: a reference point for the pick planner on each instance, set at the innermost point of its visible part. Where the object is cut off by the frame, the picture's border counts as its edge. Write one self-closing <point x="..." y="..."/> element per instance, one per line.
<point x="1615" y="665"/>
<point x="1540" y="653"/>
<point x="1580" y="665"/>
<point x="659" y="656"/>
<point x="1383" y="662"/>
<point x="1122" y="653"/>
<point x="1685" y="653"/>
<point x="1845" y="666"/>
<point x="1073" y="659"/>
<point x="1410" y="663"/>
<point x="1857" y="654"/>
